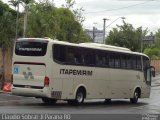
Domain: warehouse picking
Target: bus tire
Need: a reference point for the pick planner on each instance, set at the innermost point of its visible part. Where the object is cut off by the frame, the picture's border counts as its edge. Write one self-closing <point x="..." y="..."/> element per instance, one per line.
<point x="80" y="95"/>
<point x="135" y="96"/>
<point x="49" y="101"/>
<point x="107" y="101"/>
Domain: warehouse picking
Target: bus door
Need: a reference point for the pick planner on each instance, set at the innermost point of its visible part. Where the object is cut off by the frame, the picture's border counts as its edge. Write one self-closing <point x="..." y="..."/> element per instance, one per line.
<point x="149" y="73"/>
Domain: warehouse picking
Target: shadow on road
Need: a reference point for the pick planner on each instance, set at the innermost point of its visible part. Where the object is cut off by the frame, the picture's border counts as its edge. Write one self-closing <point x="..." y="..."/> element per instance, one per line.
<point x="63" y="104"/>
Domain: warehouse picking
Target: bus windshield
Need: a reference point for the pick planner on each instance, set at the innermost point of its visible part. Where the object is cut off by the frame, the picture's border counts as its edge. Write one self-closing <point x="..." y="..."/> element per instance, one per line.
<point x="31" y="48"/>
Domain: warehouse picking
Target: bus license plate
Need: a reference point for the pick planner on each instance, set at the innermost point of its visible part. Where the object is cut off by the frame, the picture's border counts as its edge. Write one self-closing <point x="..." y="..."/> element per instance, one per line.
<point x="27" y="86"/>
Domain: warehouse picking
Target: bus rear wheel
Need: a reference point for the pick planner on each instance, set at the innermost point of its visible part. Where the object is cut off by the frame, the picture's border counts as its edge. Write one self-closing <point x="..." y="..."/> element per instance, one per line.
<point x="135" y="97"/>
<point x="49" y="101"/>
<point x="80" y="95"/>
<point x="107" y="101"/>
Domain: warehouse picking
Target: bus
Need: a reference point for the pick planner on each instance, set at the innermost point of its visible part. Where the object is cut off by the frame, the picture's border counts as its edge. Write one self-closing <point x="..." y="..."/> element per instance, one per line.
<point x="56" y="70"/>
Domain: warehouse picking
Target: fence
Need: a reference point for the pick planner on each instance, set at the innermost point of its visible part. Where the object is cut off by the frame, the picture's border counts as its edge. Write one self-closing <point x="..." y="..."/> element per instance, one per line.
<point x="156" y="64"/>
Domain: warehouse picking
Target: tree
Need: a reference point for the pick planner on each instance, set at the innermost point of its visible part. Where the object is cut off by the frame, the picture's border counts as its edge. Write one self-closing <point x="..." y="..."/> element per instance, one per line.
<point x="78" y="12"/>
<point x="153" y="53"/>
<point x="126" y="36"/>
<point x="45" y="20"/>
<point x="69" y="4"/>
<point x="7" y="16"/>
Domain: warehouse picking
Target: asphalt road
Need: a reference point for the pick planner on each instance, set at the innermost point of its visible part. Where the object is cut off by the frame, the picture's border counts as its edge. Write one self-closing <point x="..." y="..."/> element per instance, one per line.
<point x="10" y="104"/>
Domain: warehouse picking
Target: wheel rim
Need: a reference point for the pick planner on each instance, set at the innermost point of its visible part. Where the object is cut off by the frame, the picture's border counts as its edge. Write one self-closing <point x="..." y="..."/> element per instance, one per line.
<point x="136" y="95"/>
<point x="80" y="97"/>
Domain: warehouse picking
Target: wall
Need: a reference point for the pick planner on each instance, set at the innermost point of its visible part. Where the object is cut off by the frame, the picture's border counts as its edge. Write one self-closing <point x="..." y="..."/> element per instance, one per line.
<point x="156" y="64"/>
<point x="8" y="63"/>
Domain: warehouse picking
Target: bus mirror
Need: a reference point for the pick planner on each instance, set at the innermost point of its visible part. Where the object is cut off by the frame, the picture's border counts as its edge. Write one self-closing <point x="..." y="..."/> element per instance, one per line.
<point x="153" y="73"/>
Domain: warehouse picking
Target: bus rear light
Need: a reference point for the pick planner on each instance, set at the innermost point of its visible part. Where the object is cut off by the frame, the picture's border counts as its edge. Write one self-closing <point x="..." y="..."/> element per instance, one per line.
<point x="46" y="81"/>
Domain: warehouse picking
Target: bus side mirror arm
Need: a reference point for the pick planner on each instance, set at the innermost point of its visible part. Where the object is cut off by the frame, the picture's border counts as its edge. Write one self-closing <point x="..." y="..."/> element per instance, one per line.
<point x="153" y="71"/>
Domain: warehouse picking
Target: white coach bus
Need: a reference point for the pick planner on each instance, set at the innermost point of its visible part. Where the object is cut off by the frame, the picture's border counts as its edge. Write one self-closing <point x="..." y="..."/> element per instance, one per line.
<point x="55" y="70"/>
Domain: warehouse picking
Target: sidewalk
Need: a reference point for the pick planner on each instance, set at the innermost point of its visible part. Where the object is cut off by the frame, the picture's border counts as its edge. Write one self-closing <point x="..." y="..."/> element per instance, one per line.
<point x="3" y="92"/>
<point x="156" y="81"/>
<point x="157" y="77"/>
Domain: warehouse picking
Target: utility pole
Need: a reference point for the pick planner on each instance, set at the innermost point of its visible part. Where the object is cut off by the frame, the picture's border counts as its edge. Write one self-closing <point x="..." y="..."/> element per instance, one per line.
<point x="104" y="26"/>
<point x="17" y="20"/>
<point x="94" y="35"/>
<point x="25" y="21"/>
<point x="104" y="29"/>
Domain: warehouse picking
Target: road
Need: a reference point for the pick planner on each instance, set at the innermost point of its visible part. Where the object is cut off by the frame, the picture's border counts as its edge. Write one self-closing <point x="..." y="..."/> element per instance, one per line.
<point x="17" y="104"/>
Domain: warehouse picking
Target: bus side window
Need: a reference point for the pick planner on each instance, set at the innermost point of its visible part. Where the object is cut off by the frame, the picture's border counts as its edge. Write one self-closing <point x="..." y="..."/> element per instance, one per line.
<point x="139" y="63"/>
<point x="134" y="62"/>
<point x="99" y="59"/>
<point x="77" y="57"/>
<point x="88" y="59"/>
<point x="106" y="60"/>
<point x="111" y="61"/>
<point x="59" y="53"/>
<point x="129" y="65"/>
<point x="70" y="55"/>
<point x="123" y="61"/>
<point x="117" y="61"/>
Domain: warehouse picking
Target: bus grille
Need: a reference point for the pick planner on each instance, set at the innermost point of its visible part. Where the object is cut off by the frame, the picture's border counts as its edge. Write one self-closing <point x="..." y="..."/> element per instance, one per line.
<point x="56" y="94"/>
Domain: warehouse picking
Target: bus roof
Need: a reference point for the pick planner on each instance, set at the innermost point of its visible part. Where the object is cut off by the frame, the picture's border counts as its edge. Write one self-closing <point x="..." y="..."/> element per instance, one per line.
<point x="105" y="46"/>
<point x="88" y="45"/>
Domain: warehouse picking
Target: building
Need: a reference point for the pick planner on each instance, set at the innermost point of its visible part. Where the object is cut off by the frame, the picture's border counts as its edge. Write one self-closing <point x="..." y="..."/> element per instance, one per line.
<point x="149" y="40"/>
<point x="95" y="34"/>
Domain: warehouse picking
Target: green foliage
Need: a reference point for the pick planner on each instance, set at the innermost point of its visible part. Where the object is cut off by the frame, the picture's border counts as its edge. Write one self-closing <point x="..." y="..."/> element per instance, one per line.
<point x="7" y="26"/>
<point x="153" y="53"/>
<point x="45" y="20"/>
<point x="126" y="36"/>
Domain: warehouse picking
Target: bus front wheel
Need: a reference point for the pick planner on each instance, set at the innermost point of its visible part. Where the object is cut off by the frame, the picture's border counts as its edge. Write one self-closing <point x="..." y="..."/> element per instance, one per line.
<point x="135" y="97"/>
<point x="49" y="101"/>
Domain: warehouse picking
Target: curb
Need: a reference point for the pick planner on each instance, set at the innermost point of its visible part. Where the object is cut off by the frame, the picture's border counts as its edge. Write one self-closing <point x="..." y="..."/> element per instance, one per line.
<point x="3" y="92"/>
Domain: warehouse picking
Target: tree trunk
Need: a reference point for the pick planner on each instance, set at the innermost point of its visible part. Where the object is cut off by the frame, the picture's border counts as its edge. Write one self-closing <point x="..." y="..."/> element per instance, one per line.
<point x="2" y="79"/>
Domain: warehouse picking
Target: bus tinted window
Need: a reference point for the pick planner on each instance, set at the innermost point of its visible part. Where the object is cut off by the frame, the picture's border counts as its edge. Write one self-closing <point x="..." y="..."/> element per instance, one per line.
<point x="111" y="61"/>
<point x="117" y="61"/>
<point x="98" y="58"/>
<point x="139" y="63"/>
<point x="59" y="53"/>
<point x="129" y="62"/>
<point x="123" y="61"/>
<point x="88" y="57"/>
<point x="31" y="48"/>
<point x="101" y="59"/>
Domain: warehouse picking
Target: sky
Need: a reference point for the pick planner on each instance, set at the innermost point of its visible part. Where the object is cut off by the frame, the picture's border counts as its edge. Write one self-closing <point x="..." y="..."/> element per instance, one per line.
<point x="145" y="13"/>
